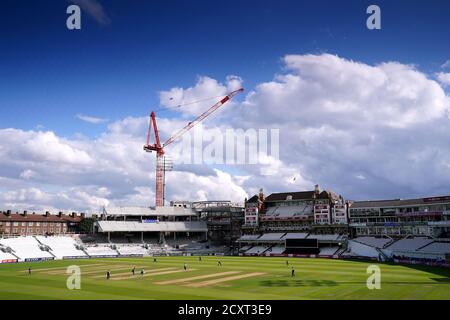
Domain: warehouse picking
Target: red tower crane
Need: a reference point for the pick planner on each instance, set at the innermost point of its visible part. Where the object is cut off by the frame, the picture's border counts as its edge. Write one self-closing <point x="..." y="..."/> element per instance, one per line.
<point x="156" y="146"/>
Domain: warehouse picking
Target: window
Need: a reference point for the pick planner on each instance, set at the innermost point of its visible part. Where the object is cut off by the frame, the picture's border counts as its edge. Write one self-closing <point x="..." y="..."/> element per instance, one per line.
<point x="30" y="224"/>
<point x="8" y="224"/>
<point x="44" y="224"/>
<point x="15" y="230"/>
<point x="37" y="224"/>
<point x="24" y="224"/>
<point x="23" y="230"/>
<point x="15" y="224"/>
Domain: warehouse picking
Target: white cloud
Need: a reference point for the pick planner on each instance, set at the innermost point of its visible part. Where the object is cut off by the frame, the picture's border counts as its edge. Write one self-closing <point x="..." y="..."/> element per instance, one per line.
<point x="443" y="78"/>
<point x="365" y="131"/>
<point x="95" y="9"/>
<point x="200" y="97"/>
<point x="446" y="64"/>
<point x="337" y="117"/>
<point x="28" y="174"/>
<point x="90" y="119"/>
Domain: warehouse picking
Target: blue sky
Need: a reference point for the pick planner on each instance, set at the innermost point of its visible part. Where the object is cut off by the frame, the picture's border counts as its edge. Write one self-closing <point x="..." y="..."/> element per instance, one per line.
<point x="50" y="74"/>
<point x="364" y="113"/>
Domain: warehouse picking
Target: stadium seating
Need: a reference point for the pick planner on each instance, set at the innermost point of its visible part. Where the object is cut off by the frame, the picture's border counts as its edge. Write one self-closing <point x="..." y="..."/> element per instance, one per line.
<point x="289" y="211"/>
<point x="132" y="250"/>
<point x="256" y="250"/>
<point x="437" y="247"/>
<point x="374" y="242"/>
<point x="276" y="250"/>
<point x="361" y="250"/>
<point x="271" y="237"/>
<point x="409" y="244"/>
<point x="163" y="226"/>
<point x="4" y="256"/>
<point x="326" y="237"/>
<point x="26" y="248"/>
<point x="249" y="237"/>
<point x="61" y="247"/>
<point x="98" y="251"/>
<point x="328" y="251"/>
<point x="295" y="235"/>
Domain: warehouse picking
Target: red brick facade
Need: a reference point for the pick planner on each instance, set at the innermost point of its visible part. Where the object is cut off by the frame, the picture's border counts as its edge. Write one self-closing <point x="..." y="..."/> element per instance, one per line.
<point x="36" y="224"/>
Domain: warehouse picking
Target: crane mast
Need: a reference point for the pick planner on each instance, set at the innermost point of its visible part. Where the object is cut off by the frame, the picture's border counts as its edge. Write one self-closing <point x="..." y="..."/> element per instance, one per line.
<point x="159" y="149"/>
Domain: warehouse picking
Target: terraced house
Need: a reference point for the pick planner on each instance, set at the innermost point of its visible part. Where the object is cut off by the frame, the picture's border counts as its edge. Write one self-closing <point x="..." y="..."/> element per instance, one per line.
<point x="23" y="224"/>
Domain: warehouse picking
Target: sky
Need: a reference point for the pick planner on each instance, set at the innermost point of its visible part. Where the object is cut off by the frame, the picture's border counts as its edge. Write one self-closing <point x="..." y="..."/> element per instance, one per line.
<point x="362" y="112"/>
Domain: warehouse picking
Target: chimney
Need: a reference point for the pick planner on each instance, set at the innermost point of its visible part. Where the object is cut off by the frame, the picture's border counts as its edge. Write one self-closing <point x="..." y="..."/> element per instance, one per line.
<point x="25" y="213"/>
<point x="60" y="214"/>
<point x="8" y="213"/>
<point x="73" y="215"/>
<point x="47" y="214"/>
<point x="82" y="215"/>
<point x="261" y="195"/>
<point x="316" y="189"/>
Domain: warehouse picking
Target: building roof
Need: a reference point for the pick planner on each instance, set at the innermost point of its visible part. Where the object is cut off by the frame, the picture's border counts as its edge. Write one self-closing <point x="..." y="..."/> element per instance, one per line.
<point x="302" y="195"/>
<point x="129" y="226"/>
<point x="143" y="211"/>
<point x="253" y="199"/>
<point x="30" y="217"/>
<point x="399" y="202"/>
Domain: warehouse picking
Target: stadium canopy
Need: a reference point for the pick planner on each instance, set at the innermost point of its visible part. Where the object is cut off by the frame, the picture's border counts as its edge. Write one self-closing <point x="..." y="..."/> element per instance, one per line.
<point x="128" y="226"/>
<point x="143" y="211"/>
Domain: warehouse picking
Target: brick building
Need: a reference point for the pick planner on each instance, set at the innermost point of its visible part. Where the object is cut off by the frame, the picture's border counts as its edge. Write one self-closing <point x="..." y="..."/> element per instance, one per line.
<point x="27" y="224"/>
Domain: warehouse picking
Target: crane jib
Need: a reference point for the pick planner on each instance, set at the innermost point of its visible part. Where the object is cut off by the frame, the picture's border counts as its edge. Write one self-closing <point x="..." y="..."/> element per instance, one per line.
<point x="225" y="99"/>
<point x="160" y="170"/>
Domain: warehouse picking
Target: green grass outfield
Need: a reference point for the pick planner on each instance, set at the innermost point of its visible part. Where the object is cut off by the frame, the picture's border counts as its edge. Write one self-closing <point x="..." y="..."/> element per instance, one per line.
<point x="247" y="278"/>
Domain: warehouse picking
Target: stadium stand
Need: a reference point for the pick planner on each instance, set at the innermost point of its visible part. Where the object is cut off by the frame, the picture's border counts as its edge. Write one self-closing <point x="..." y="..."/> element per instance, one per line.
<point x="409" y="244"/>
<point x="295" y="235"/>
<point x="276" y="250"/>
<point x="326" y="237"/>
<point x="257" y="250"/>
<point x="142" y="211"/>
<point x="271" y="237"/>
<point x="101" y="251"/>
<point x="244" y="248"/>
<point x="289" y="211"/>
<point x="132" y="250"/>
<point x="26" y="249"/>
<point x="374" y="242"/>
<point x="328" y="251"/>
<point x="5" y="256"/>
<point x="62" y="247"/>
<point x="249" y="237"/>
<point x="437" y="247"/>
<point x="129" y="226"/>
<point x="360" y="250"/>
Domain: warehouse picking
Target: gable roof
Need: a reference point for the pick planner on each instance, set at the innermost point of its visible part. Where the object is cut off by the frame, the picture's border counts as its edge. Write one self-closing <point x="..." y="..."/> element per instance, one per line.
<point x="253" y="199"/>
<point x="302" y="195"/>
